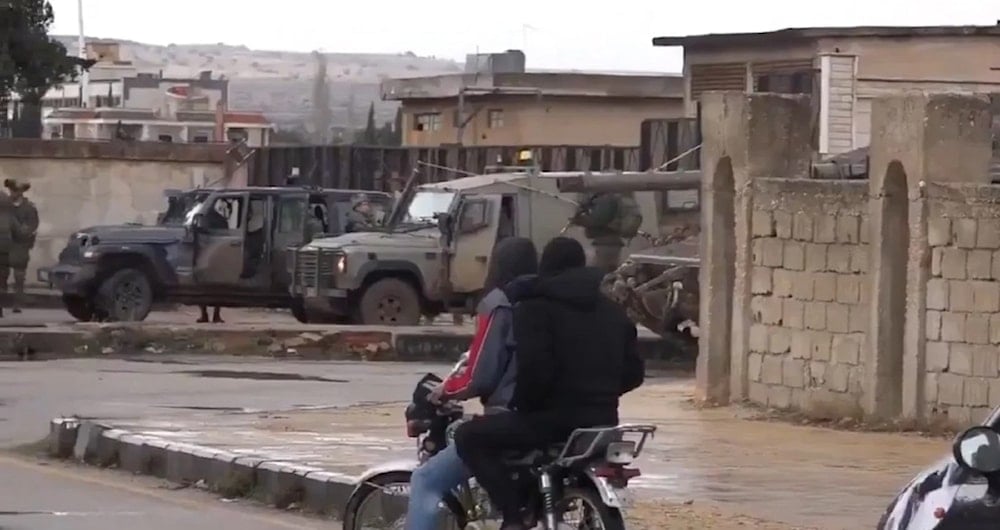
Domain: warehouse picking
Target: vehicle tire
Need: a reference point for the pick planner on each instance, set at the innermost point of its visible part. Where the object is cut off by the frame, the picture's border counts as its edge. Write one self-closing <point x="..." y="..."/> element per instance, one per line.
<point x="299" y="311"/>
<point x="79" y="307"/>
<point x="389" y="302"/>
<point x="125" y="296"/>
<point x="306" y="316"/>
<point x="610" y="518"/>
<point x="374" y="485"/>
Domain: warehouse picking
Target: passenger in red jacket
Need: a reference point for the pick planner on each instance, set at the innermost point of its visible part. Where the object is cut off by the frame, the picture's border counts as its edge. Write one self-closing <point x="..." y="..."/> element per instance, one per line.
<point x="489" y="374"/>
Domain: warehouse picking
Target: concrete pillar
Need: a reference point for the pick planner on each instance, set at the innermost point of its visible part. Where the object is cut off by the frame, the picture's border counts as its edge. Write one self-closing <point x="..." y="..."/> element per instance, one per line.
<point x="744" y="137"/>
<point x="916" y="138"/>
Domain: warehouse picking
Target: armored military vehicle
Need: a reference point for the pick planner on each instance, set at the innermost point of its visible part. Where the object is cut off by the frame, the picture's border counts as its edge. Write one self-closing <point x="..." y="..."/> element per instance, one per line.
<point x="432" y="256"/>
<point x="218" y="247"/>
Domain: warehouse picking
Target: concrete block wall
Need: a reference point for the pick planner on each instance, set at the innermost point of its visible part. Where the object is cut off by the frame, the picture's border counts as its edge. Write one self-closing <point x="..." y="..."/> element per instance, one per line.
<point x="78" y="184"/>
<point x="879" y="297"/>
<point x="810" y="293"/>
<point x="962" y="379"/>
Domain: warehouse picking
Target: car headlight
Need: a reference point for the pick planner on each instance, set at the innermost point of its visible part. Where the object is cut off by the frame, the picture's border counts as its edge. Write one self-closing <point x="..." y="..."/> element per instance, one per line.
<point x="90" y="253"/>
<point x="340" y="264"/>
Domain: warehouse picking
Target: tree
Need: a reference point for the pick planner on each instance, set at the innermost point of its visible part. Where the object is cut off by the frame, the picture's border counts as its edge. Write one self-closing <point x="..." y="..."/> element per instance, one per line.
<point x="371" y="133"/>
<point x="30" y="61"/>
<point x="322" y="118"/>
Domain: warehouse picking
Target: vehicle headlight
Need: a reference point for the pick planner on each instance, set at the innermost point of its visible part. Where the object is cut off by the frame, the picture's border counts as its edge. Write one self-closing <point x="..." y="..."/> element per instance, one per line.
<point x="90" y="253"/>
<point x="340" y="263"/>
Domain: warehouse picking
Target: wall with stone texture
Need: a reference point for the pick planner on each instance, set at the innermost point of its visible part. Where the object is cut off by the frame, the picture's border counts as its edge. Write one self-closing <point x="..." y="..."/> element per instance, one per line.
<point x="878" y="298"/>
<point x="810" y="295"/>
<point x="963" y="301"/>
<point x="76" y="184"/>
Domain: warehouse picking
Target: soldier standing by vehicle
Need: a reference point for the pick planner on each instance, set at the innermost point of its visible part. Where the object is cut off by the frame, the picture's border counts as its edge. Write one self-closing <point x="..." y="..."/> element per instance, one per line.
<point x="361" y="215"/>
<point x="216" y="315"/>
<point x="24" y="228"/>
<point x="608" y="220"/>
<point x="6" y="241"/>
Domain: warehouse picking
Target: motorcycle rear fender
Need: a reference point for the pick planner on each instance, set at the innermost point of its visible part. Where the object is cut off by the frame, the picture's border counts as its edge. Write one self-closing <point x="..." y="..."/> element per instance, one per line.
<point x="393" y="466"/>
<point x="604" y="488"/>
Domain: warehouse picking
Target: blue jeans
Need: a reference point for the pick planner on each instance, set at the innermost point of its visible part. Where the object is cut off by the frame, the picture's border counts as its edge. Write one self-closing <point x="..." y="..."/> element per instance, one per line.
<point x="442" y="473"/>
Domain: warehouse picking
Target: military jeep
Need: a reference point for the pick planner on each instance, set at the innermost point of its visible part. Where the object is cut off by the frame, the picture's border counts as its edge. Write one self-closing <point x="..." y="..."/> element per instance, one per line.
<point x="214" y="247"/>
<point x="432" y="256"/>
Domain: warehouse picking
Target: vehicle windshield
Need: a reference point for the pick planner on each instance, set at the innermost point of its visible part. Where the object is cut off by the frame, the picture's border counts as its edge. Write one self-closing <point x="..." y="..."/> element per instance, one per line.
<point x="427" y="203"/>
<point x="180" y="208"/>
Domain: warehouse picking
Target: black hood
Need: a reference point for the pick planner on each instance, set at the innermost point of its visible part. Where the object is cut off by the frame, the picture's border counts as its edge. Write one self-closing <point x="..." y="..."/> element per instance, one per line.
<point x="520" y="288"/>
<point x="579" y="287"/>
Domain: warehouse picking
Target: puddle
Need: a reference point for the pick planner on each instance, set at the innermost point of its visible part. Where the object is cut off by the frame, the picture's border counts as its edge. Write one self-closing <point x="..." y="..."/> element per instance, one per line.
<point x="260" y="376"/>
<point x="64" y="514"/>
<point x="157" y="361"/>
<point x="197" y="407"/>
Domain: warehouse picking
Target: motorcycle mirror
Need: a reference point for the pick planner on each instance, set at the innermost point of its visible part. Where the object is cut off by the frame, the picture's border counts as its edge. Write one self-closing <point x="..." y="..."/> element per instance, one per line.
<point x="978" y="449"/>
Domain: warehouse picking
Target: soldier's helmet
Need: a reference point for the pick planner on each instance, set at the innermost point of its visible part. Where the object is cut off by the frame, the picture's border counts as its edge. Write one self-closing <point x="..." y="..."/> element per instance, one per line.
<point x="16" y="185"/>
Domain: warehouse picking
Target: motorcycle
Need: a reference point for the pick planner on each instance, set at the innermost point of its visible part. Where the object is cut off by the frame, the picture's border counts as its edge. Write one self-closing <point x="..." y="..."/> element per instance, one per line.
<point x="961" y="491"/>
<point x="588" y="472"/>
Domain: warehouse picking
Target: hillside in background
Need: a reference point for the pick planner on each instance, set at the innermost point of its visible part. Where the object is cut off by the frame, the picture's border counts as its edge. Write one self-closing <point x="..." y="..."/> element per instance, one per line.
<point x="280" y="83"/>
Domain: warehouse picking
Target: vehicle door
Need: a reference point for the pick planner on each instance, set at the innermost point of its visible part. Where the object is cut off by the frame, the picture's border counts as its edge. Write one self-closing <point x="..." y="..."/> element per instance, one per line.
<point x="290" y="227"/>
<point x="220" y="232"/>
<point x="474" y="233"/>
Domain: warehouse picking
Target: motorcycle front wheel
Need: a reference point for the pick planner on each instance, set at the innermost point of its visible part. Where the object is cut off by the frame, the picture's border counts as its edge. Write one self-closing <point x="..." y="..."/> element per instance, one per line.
<point x="380" y="504"/>
<point x="583" y="509"/>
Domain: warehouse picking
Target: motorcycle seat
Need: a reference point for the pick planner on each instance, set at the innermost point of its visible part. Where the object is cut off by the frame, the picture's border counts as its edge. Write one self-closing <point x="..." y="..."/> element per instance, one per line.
<point x="533" y="456"/>
<point x="579" y="444"/>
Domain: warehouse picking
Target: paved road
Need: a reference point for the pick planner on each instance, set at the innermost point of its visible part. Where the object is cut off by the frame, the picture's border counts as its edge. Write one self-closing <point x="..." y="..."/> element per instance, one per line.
<point x="162" y="386"/>
<point x="68" y="497"/>
<point x="64" y="497"/>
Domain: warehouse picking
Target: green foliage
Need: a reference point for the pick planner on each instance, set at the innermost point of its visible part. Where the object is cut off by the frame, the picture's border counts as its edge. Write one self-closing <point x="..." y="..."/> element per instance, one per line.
<point x="322" y="118"/>
<point x="388" y="135"/>
<point x="30" y="62"/>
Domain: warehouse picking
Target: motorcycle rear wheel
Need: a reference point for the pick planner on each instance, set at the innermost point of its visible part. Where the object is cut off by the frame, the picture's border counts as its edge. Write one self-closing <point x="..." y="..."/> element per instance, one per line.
<point x="375" y="485"/>
<point x="590" y="500"/>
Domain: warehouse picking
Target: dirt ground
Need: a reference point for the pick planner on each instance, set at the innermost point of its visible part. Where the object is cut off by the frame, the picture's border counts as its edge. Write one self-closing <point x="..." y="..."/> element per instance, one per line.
<point x="660" y="515"/>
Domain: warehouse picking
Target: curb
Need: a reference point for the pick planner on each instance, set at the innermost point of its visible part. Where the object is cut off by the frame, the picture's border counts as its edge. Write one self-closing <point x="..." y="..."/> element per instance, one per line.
<point x="345" y="343"/>
<point x="40" y="297"/>
<point x="273" y="482"/>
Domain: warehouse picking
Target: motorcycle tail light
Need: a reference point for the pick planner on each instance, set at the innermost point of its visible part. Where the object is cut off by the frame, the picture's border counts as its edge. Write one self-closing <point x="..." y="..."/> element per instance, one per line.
<point x="940" y="513"/>
<point x="618" y="476"/>
<point x="415" y="428"/>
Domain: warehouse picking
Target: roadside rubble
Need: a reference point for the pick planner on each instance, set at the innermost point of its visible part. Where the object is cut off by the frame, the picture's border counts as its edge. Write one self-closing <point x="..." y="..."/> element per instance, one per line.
<point x="302" y="341"/>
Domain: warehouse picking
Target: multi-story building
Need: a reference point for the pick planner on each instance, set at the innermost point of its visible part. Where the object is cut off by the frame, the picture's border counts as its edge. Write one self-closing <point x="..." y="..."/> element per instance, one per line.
<point x="497" y="102"/>
<point x="124" y="103"/>
<point x="842" y="68"/>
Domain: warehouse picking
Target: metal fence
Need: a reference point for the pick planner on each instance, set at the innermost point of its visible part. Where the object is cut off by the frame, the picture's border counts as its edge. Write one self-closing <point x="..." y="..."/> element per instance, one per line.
<point x="363" y="167"/>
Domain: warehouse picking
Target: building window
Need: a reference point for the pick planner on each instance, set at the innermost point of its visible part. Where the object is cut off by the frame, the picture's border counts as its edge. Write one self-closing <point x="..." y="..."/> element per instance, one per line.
<point x="430" y="121"/>
<point x="166" y="138"/>
<point x="128" y="132"/>
<point x="69" y="131"/>
<point x="800" y="82"/>
<point x="496" y="118"/>
<point x="200" y="139"/>
<point x="237" y="135"/>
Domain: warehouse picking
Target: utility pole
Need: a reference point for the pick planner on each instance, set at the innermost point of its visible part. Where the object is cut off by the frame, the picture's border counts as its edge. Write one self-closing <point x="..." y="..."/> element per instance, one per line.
<point x="84" y="75"/>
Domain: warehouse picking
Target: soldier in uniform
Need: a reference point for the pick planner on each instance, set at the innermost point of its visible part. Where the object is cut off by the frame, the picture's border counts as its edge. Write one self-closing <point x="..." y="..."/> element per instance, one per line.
<point x="216" y="315"/>
<point x="6" y="241"/>
<point x="597" y="215"/>
<point x="361" y="215"/>
<point x="23" y="231"/>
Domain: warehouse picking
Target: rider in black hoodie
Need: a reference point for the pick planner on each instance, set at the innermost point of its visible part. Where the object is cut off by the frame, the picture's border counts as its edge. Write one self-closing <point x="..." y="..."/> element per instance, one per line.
<point x="576" y="355"/>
